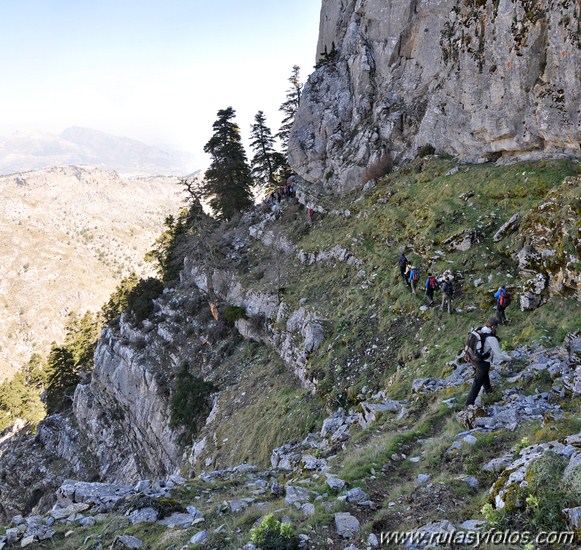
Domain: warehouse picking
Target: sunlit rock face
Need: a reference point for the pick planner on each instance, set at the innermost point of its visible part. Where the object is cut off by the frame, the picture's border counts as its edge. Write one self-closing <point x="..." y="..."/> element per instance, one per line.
<point x="484" y="80"/>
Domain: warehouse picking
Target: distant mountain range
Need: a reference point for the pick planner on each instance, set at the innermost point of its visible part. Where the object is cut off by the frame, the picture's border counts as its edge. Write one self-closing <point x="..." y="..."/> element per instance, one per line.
<point x="26" y="151"/>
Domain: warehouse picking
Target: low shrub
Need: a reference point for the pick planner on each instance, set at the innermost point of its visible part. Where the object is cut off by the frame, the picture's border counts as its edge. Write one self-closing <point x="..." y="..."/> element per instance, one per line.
<point x="190" y="402"/>
<point x="272" y="534"/>
<point x="233" y="313"/>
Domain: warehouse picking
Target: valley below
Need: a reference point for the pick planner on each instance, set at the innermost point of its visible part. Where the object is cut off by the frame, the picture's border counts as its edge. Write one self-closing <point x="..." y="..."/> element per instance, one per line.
<point x="68" y="236"/>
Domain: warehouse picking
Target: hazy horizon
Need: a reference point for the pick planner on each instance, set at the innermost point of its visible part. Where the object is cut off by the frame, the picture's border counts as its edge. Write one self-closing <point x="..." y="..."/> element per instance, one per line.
<point x="154" y="72"/>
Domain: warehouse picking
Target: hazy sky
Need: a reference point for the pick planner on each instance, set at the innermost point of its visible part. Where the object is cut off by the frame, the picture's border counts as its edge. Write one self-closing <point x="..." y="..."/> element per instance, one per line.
<point x="153" y="70"/>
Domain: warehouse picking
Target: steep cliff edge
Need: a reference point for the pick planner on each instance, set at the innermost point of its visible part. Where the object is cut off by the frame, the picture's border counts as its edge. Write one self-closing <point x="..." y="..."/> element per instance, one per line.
<point x="477" y="80"/>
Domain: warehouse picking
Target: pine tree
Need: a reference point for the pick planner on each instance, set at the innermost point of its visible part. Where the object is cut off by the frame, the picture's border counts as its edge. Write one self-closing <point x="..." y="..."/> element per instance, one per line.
<point x="266" y="161"/>
<point x="228" y="180"/>
<point x="289" y="108"/>
<point x="61" y="380"/>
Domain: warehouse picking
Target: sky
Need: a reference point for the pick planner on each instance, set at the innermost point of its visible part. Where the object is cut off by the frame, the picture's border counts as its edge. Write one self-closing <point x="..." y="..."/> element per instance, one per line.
<point x="153" y="70"/>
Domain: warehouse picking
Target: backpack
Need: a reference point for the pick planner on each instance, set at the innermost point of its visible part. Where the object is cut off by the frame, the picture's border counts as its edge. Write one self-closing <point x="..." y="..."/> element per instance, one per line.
<point x="474" y="345"/>
<point x="447" y="288"/>
<point x="432" y="282"/>
<point x="402" y="261"/>
<point x="504" y="299"/>
<point x="415" y="275"/>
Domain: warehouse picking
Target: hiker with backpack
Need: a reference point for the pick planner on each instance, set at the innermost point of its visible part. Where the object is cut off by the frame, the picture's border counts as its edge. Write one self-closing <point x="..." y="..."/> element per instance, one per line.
<point x="481" y="345"/>
<point x="432" y="285"/>
<point x="447" y="292"/>
<point x="403" y="264"/>
<point x="414" y="278"/>
<point x="503" y="300"/>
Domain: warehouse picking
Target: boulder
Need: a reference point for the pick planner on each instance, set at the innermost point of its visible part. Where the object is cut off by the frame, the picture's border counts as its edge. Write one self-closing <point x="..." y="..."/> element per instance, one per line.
<point x="462" y="240"/>
<point x="200" y="538"/>
<point x="296" y="494"/>
<point x="573" y="516"/>
<point x="335" y="483"/>
<point x="356" y="495"/>
<point x="346" y="525"/>
<point x="127" y="541"/>
<point x="507" y="228"/>
<point x="71" y="492"/>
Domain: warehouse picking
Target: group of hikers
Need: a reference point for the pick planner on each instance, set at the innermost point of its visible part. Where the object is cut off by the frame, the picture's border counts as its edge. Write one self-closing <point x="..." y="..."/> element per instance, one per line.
<point x="286" y="191"/>
<point x="482" y="345"/>
<point x="411" y="276"/>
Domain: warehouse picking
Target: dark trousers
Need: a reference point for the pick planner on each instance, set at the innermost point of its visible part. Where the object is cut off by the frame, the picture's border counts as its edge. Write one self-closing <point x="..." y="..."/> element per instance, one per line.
<point x="500" y="314"/>
<point x="430" y="295"/>
<point x="481" y="379"/>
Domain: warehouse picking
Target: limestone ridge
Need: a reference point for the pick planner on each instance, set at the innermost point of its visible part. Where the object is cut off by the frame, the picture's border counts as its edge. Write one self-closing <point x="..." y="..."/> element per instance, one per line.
<point x="477" y="80"/>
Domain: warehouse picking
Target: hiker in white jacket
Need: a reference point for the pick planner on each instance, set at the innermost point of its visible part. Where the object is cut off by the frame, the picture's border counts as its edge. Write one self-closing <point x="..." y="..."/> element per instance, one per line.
<point x="491" y="353"/>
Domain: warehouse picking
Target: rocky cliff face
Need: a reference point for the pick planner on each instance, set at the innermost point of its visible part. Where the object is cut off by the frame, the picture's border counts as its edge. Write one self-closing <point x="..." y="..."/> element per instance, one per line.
<point x="478" y="80"/>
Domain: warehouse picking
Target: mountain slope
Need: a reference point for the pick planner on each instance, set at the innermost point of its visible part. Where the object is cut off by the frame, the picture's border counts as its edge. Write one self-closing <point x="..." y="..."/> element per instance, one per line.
<point x="329" y="330"/>
<point x="67" y="237"/>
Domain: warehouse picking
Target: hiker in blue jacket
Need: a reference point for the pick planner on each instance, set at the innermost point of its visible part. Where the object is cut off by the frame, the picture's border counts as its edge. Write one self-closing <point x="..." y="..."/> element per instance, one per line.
<point x="414" y="278"/>
<point x="503" y="300"/>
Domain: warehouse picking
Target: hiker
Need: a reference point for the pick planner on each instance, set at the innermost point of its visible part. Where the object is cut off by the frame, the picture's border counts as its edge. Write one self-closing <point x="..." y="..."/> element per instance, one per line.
<point x="403" y="264"/>
<point x="414" y="278"/>
<point x="503" y="300"/>
<point x="447" y="291"/>
<point x="431" y="286"/>
<point x="481" y="345"/>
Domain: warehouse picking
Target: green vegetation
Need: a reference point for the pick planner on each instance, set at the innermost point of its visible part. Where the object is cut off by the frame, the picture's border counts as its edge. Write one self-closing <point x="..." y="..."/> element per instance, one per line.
<point x="134" y="295"/>
<point x="233" y="313"/>
<point x="190" y="402"/>
<point x="289" y="108"/>
<point x="20" y="395"/>
<point x="66" y="361"/>
<point x="167" y="252"/>
<point x="267" y="409"/>
<point x="266" y="162"/>
<point x="378" y="337"/>
<point x="537" y="505"/>
<point x="273" y="534"/>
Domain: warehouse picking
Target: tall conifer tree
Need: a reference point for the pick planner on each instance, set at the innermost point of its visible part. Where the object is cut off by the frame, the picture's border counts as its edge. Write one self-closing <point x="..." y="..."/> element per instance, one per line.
<point x="266" y="160"/>
<point x="289" y="108"/>
<point x="228" y="180"/>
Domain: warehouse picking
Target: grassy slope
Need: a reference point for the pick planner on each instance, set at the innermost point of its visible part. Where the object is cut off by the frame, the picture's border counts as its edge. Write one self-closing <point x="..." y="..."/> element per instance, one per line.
<point x="419" y="207"/>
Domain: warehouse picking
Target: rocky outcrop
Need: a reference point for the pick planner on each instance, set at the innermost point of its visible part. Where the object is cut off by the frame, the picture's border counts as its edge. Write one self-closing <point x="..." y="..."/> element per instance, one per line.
<point x="515" y="473"/>
<point x="547" y="259"/>
<point x="126" y="401"/>
<point x="32" y="467"/>
<point x="293" y="334"/>
<point x="480" y="81"/>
